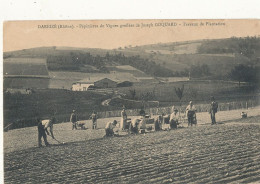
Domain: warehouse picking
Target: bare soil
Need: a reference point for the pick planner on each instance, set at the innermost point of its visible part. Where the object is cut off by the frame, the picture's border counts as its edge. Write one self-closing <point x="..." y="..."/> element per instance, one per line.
<point x="223" y="153"/>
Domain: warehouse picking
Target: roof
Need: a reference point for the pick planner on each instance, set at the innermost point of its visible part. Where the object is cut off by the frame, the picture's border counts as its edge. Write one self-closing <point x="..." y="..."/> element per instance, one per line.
<point x="25" y="67"/>
<point x="92" y="80"/>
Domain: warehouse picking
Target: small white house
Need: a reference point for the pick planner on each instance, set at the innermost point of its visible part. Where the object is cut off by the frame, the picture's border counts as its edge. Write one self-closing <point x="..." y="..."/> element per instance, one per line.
<point x="78" y="86"/>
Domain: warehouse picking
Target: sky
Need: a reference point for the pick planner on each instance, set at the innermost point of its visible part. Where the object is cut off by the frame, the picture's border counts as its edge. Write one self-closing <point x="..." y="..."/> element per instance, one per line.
<point x="107" y="34"/>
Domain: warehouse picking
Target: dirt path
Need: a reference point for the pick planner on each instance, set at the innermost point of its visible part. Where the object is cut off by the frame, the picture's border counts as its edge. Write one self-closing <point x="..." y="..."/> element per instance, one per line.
<point x="203" y="154"/>
<point x="25" y="138"/>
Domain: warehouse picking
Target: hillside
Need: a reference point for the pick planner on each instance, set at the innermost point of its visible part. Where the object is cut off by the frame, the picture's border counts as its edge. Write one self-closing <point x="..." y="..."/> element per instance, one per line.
<point x="160" y="60"/>
<point x="221" y="55"/>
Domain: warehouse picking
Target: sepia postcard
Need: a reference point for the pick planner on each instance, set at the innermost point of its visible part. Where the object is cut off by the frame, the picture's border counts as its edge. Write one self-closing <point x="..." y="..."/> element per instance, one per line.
<point x="131" y="101"/>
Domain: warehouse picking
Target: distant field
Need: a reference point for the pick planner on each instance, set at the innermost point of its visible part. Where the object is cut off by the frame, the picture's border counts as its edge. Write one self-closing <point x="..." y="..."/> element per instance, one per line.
<point x="127" y="69"/>
<point x="188" y="48"/>
<point x="198" y="91"/>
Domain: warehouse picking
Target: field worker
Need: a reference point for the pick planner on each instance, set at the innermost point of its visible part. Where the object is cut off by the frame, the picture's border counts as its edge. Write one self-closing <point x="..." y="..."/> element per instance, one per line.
<point x="94" y="120"/>
<point x="73" y="120"/>
<point x="42" y="128"/>
<point x="142" y="124"/>
<point x="123" y="119"/>
<point x="174" y="118"/>
<point x="191" y="113"/>
<point x="158" y="123"/>
<point x="142" y="112"/>
<point x="213" y="110"/>
<point x="173" y="108"/>
<point x="134" y="125"/>
<point x="109" y="128"/>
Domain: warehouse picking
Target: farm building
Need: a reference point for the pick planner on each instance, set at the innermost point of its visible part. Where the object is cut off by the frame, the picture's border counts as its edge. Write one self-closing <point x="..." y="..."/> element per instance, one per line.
<point x="22" y="73"/>
<point x="112" y="80"/>
<point x="97" y="82"/>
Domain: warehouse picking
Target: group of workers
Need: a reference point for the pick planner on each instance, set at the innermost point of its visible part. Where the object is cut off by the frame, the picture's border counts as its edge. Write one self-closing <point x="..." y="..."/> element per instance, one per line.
<point x="136" y="125"/>
<point x="139" y="124"/>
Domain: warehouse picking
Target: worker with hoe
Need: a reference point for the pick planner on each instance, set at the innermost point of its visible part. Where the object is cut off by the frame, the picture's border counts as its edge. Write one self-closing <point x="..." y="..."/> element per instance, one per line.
<point x="109" y="128"/>
<point x="213" y="110"/>
<point x="174" y="118"/>
<point x="94" y="120"/>
<point x="73" y="120"/>
<point x="43" y="127"/>
<point x="191" y="114"/>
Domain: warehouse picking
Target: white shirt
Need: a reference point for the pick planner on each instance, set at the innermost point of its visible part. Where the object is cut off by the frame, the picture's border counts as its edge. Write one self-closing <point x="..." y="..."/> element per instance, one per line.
<point x="47" y="123"/>
<point x="142" y="124"/>
<point x="191" y="108"/>
<point x="110" y="125"/>
<point x="135" y="121"/>
<point x="174" y="116"/>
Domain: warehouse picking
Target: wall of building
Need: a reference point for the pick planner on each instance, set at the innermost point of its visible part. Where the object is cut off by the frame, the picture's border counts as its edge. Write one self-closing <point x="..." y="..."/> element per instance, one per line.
<point x="81" y="87"/>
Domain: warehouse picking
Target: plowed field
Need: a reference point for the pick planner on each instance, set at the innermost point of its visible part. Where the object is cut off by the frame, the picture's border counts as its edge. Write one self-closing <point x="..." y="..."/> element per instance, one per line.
<point x="222" y="153"/>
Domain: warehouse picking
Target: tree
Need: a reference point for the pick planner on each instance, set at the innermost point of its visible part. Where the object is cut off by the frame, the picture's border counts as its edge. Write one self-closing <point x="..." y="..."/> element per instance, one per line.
<point x="179" y="92"/>
<point x="132" y="93"/>
<point x="243" y="73"/>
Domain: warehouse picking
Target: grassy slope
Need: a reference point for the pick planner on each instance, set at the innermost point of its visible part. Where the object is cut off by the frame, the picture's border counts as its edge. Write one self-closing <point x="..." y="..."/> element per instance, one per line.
<point x="175" y="56"/>
<point x="44" y="103"/>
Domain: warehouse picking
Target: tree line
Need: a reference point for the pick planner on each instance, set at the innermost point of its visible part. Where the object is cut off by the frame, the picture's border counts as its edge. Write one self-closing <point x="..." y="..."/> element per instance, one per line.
<point x="75" y="61"/>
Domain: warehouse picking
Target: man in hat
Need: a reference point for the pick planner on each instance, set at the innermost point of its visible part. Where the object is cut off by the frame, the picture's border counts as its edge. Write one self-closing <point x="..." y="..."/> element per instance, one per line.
<point x="174" y="118"/>
<point x="43" y="127"/>
<point x="191" y="113"/>
<point x="109" y="128"/>
<point x="73" y="120"/>
<point x="213" y="110"/>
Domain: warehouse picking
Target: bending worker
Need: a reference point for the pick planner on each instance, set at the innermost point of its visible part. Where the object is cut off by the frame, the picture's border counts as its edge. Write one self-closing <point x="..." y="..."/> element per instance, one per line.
<point x="42" y="128"/>
<point x="109" y="128"/>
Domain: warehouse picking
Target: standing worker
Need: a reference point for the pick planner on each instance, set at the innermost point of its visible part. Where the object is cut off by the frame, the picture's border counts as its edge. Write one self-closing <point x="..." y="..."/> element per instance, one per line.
<point x="191" y="113"/>
<point x="174" y="118"/>
<point x="123" y="119"/>
<point x="73" y="119"/>
<point x="109" y="128"/>
<point x="94" y="120"/>
<point x="43" y="127"/>
<point x="158" y="123"/>
<point x="213" y="110"/>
